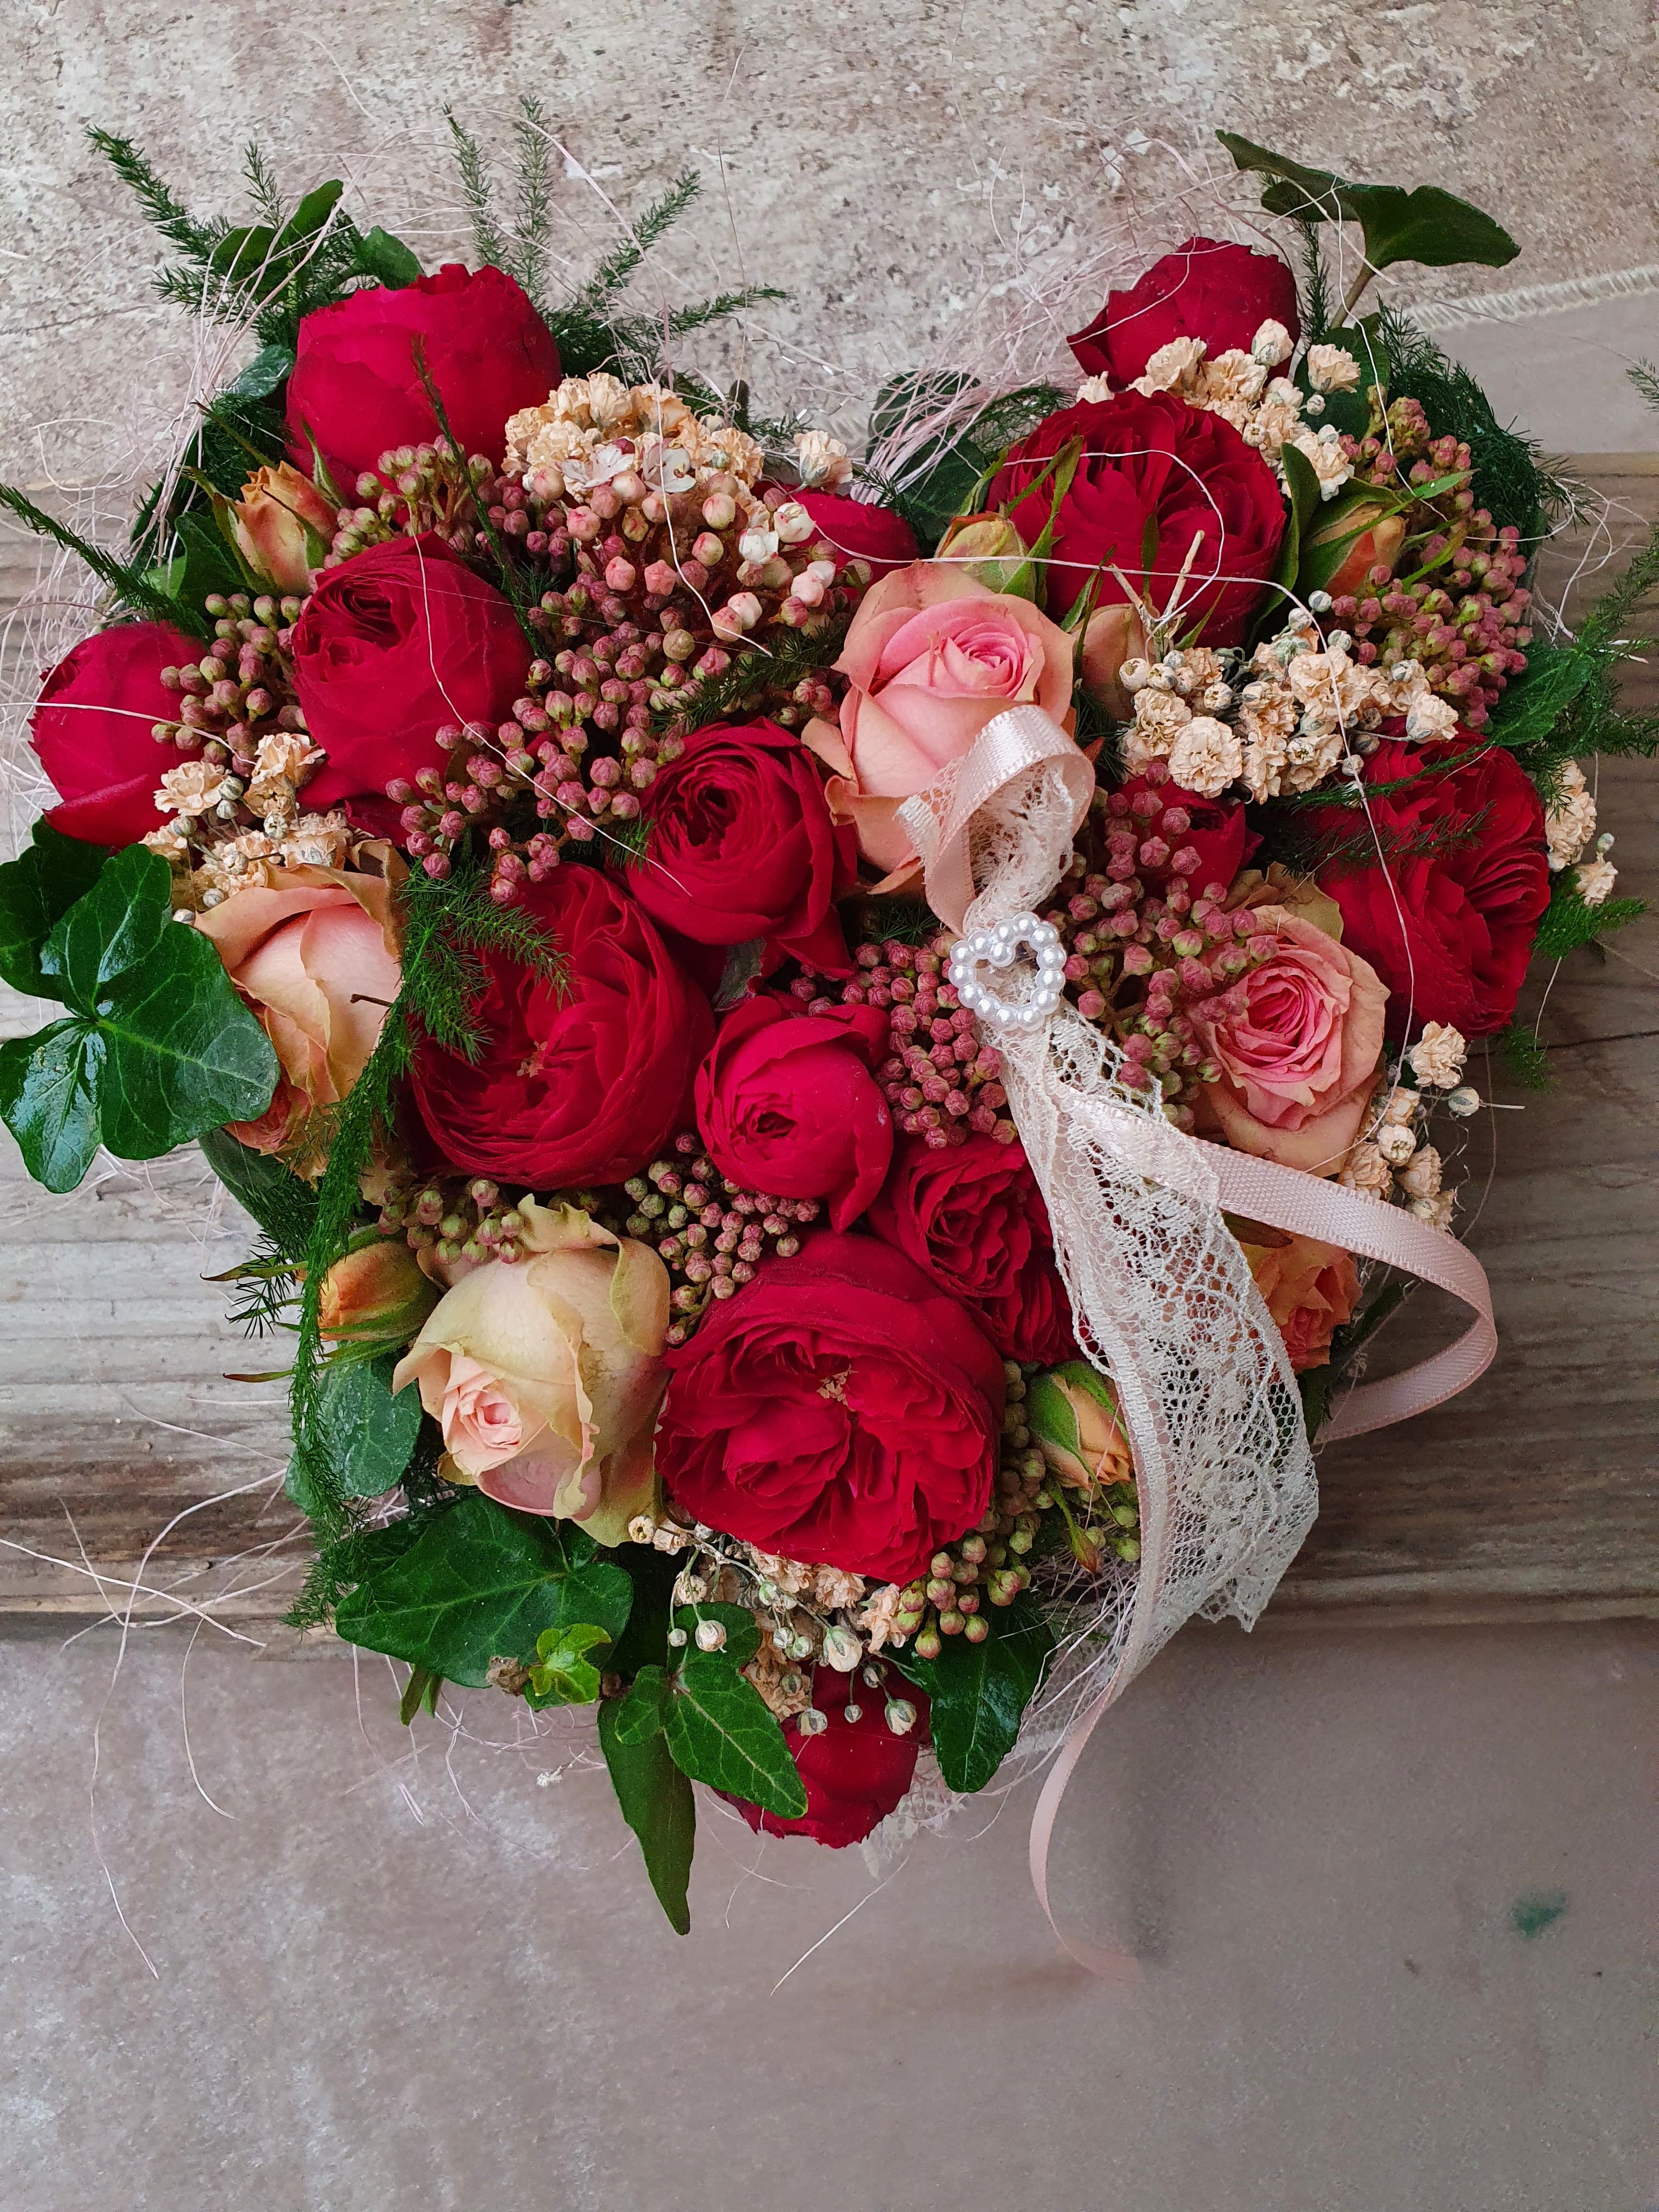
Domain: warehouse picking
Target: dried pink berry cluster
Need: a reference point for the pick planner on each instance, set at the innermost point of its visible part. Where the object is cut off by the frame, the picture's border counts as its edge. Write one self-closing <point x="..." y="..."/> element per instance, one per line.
<point x="711" y="1234"/>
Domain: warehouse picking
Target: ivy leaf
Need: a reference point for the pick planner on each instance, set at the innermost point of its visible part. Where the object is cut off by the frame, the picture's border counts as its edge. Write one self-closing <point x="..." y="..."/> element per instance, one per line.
<point x="269" y="370"/>
<point x="644" y="1642"/>
<point x="1433" y="228"/>
<point x="659" y="1806"/>
<point x="563" y="1675"/>
<point x="366" y="1433"/>
<point x="979" y="1691"/>
<point x="283" y="1205"/>
<point x="720" y="1731"/>
<point x="741" y="1635"/>
<point x="480" y="1582"/>
<point x="1306" y="499"/>
<point x="638" y="1711"/>
<point x="158" y="1046"/>
<point x="387" y="259"/>
<point x="41" y="885"/>
<point x="1554" y="676"/>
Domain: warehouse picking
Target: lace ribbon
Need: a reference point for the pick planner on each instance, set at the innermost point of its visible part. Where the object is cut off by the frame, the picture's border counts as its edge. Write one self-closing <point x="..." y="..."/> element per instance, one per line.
<point x="1163" y="1298"/>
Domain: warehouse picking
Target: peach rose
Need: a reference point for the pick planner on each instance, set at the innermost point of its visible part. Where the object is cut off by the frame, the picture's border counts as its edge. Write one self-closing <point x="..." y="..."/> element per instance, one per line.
<point x="376" y="1293"/>
<point x="545" y="1373"/>
<point x="283" y="526"/>
<point x="1309" y="1288"/>
<point x="1297" y="1040"/>
<point x="315" y="956"/>
<point x="931" y="656"/>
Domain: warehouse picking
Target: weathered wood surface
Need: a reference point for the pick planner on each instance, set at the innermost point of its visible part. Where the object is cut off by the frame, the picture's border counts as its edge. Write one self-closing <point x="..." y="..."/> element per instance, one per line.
<point x="1537" y="1492"/>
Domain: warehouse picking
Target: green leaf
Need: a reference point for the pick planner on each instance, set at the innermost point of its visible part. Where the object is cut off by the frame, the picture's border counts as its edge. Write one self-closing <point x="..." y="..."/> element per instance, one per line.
<point x="208" y="563"/>
<point x="41" y="885"/>
<point x="270" y="368"/>
<point x="658" y="1804"/>
<point x="240" y="253"/>
<point x="421" y="1689"/>
<point x="979" y="1691"/>
<point x="563" y="1676"/>
<point x="313" y="212"/>
<point x="482" y="1583"/>
<point x="741" y="1635"/>
<point x="387" y="259"/>
<point x="284" y="1207"/>
<point x="1428" y="225"/>
<point x="644" y="1642"/>
<point x="158" y="1047"/>
<point x="720" y="1731"/>
<point x="638" y="1711"/>
<point x="1568" y="922"/>
<point x="1535" y="702"/>
<point x="368" y="1434"/>
<point x="1303" y="485"/>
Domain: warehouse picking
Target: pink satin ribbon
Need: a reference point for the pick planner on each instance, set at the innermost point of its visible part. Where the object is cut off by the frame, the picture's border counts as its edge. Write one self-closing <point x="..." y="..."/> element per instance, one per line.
<point x="1026" y="743"/>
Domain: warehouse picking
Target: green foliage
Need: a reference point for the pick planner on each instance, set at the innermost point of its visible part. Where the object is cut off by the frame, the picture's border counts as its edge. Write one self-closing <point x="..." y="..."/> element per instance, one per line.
<point x="1428" y="225"/>
<point x="1303" y="486"/>
<point x="757" y="672"/>
<point x="367" y="1433"/>
<point x="658" y="1804"/>
<point x="720" y="1730"/>
<point x="644" y="1643"/>
<point x="741" y="1635"/>
<point x="947" y="473"/>
<point x="1317" y="1385"/>
<point x="488" y="242"/>
<point x="1645" y="377"/>
<point x="156" y="1048"/>
<point x="482" y="1583"/>
<point x="36" y="889"/>
<point x="979" y="1691"/>
<point x="563" y="1674"/>
<point x="535" y="197"/>
<point x="131" y="586"/>
<point x="1568" y="922"/>
<point x="608" y="281"/>
<point x="284" y="1207"/>
<point x="1508" y="480"/>
<point x="1522" y="1056"/>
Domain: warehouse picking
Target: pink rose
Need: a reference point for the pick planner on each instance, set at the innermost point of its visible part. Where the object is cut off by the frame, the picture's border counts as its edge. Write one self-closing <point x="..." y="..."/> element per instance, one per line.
<point x="316" y="961"/>
<point x="1296" y="1039"/>
<point x="932" y="655"/>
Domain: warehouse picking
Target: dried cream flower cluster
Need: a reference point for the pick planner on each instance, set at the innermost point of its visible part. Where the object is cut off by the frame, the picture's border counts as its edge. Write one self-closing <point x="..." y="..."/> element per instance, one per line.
<point x="1569" y="826"/>
<point x="1268" y="412"/>
<point x="594" y="428"/>
<point x="1393" y="1161"/>
<point x="1302" y="710"/>
<point x="1436" y="1058"/>
<point x="195" y="790"/>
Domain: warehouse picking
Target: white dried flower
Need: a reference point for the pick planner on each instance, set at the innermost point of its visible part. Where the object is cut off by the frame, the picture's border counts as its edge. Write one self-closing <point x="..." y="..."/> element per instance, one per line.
<point x="1428" y="716"/>
<point x="1272" y="345"/>
<point x="192" y="788"/>
<point x="1172" y="368"/>
<point x="1332" y="369"/>
<point x="1437" y="1211"/>
<point x="879" y="1621"/>
<point x="821" y="461"/>
<point x="1159" y="714"/>
<point x="1094" y="388"/>
<point x="169" y="840"/>
<point x="1420" y="1176"/>
<point x="318" y="841"/>
<point x="1206" y="756"/>
<point x="1322" y="451"/>
<point x="842" y="1649"/>
<point x="1400" y="1106"/>
<point x="1233" y="379"/>
<point x="1366" y="1169"/>
<point x="1437" y="1057"/>
<point x="1595" y="880"/>
<point x="287" y="753"/>
<point x="1570" y="824"/>
<point x="1396" y="1142"/>
<point x="1264" y="766"/>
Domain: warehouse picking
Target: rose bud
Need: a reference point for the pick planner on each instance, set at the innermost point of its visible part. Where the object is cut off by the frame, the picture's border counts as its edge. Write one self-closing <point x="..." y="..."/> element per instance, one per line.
<point x="283" y="526"/>
<point x="1072" y="1412"/>
<point x="92" y="730"/>
<point x="1113" y="636"/>
<point x="376" y="1294"/>
<point x="988" y="548"/>
<point x="545" y="1374"/>
<point x="1376" y="546"/>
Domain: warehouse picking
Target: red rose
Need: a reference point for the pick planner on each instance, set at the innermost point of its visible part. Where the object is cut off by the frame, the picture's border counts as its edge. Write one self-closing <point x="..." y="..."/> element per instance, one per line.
<point x="859" y="530"/>
<point x="972" y="1215"/>
<point x="1153" y="470"/>
<point x="855" y="1771"/>
<point x="92" y="730"/>
<point x="739" y="845"/>
<point x="1205" y="289"/>
<point x="1450" y="929"/>
<point x="356" y="390"/>
<point x="579" y="1083"/>
<point x="841" y="1408"/>
<point x="1213" y="829"/>
<point x="787" y="1103"/>
<point x="393" y="645"/>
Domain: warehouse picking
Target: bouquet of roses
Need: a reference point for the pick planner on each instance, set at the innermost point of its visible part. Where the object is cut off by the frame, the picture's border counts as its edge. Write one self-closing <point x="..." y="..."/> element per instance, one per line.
<point x="832" y="1057"/>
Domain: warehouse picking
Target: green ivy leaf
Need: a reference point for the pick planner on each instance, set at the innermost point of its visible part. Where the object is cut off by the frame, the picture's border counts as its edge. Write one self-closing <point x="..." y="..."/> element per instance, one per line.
<point x="367" y="1434"/>
<point x="720" y="1731"/>
<point x="41" y="885"/>
<point x="979" y="1691"/>
<point x="158" y="1046"/>
<point x="387" y="259"/>
<point x="1433" y="228"/>
<point x="270" y="368"/>
<point x="483" y="1581"/>
<point x="563" y="1674"/>
<point x="638" y="1711"/>
<point x="742" y="1635"/>
<point x="658" y="1804"/>
<point x="644" y="1643"/>
<point x="1535" y="702"/>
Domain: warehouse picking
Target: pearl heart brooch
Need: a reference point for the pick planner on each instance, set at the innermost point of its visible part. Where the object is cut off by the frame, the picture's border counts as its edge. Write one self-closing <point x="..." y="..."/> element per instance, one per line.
<point x="1022" y="934"/>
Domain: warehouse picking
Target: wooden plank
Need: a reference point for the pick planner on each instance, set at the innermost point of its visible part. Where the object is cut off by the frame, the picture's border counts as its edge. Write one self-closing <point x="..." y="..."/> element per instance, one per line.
<point x="1535" y="1495"/>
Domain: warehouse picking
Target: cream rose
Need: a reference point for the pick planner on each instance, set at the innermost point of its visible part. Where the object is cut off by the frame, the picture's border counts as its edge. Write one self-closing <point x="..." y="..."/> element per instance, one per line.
<point x="315" y="956"/>
<point x="545" y="1373"/>
<point x="931" y="656"/>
